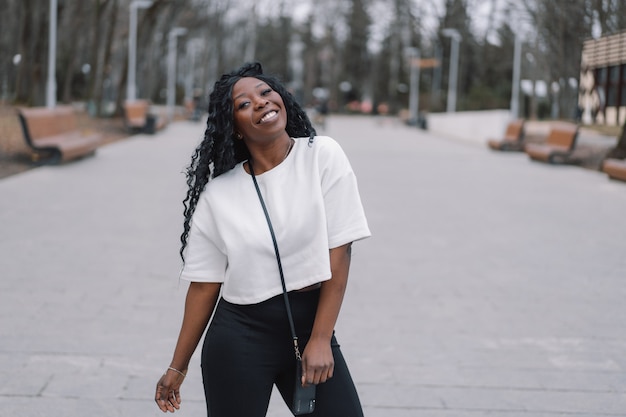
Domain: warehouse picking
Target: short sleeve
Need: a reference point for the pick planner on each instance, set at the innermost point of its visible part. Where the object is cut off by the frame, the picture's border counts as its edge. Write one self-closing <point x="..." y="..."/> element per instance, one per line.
<point x="345" y="217"/>
<point x="205" y="261"/>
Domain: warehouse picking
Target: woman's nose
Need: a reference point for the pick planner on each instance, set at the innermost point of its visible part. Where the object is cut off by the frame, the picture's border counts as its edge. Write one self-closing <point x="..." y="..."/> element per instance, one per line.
<point x="260" y="102"/>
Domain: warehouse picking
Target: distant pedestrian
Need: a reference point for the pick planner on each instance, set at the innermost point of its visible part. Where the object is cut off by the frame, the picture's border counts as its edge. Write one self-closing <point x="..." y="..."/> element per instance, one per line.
<point x="321" y="111"/>
<point x="257" y="131"/>
<point x="197" y="105"/>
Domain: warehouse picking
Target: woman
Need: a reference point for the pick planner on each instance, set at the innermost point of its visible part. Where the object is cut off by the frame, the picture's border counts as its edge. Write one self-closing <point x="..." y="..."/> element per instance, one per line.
<point x="311" y="194"/>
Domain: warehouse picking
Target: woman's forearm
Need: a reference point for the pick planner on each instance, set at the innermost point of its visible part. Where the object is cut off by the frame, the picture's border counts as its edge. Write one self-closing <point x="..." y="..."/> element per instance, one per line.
<point x="332" y="293"/>
<point x="199" y="305"/>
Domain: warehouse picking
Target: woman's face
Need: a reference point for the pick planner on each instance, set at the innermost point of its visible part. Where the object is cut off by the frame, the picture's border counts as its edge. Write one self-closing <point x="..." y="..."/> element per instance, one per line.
<point x="259" y="112"/>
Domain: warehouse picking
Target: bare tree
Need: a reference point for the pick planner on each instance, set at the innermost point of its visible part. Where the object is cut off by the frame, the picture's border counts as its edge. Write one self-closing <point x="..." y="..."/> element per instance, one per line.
<point x="32" y="40"/>
<point x="456" y="16"/>
<point x="102" y="76"/>
<point x="337" y="38"/>
<point x="610" y="15"/>
<point x="561" y="27"/>
<point x="71" y="49"/>
<point x="356" y="57"/>
<point x="10" y="22"/>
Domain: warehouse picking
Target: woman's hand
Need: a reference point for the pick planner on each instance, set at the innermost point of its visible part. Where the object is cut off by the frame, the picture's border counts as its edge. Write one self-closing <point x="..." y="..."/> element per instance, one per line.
<point x="199" y="305"/>
<point x="318" y="363"/>
<point x="168" y="391"/>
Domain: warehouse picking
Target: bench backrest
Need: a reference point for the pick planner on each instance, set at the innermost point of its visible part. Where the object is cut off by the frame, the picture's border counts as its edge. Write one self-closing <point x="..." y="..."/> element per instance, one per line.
<point x="514" y="130"/>
<point x="42" y="122"/>
<point x="563" y="136"/>
<point x="136" y="110"/>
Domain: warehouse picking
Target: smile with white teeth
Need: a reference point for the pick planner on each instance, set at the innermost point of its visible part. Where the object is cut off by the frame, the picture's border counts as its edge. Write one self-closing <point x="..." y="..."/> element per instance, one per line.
<point x="268" y="116"/>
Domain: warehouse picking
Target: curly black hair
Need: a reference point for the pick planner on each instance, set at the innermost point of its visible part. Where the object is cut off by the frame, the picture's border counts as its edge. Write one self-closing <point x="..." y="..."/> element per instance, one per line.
<point x="219" y="150"/>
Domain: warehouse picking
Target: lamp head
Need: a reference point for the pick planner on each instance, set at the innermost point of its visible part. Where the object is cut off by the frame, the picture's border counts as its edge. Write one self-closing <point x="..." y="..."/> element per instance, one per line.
<point x="141" y="4"/>
<point x="451" y="33"/>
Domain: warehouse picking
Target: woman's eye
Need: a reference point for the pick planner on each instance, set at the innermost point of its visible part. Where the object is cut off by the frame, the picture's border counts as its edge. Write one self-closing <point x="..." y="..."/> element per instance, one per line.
<point x="243" y="105"/>
<point x="266" y="91"/>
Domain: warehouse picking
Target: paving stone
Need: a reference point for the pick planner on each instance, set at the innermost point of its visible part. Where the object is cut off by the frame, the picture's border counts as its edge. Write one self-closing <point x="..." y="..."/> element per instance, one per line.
<point x="492" y="285"/>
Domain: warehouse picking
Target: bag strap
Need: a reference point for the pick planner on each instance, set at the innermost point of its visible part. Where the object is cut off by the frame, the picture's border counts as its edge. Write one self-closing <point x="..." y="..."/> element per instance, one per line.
<point x="280" y="265"/>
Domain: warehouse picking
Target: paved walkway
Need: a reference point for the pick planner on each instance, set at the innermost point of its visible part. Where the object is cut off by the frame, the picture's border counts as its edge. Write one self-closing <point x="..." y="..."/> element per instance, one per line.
<point x="493" y="286"/>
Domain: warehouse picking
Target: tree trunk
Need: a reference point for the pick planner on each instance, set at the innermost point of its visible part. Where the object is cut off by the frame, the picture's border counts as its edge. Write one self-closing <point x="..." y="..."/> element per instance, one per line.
<point x="394" y="64"/>
<point x="106" y="61"/>
<point x="40" y="54"/>
<point x="72" y="48"/>
<point x="100" y="7"/>
<point x="23" y="69"/>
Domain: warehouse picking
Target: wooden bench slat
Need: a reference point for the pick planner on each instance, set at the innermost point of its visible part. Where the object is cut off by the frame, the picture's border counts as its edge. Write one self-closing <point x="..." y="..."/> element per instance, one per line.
<point x="559" y="144"/>
<point x="137" y="116"/>
<point x="49" y="122"/>
<point x="615" y="168"/>
<point x="513" y="139"/>
<point x="615" y="163"/>
<point x="136" y="113"/>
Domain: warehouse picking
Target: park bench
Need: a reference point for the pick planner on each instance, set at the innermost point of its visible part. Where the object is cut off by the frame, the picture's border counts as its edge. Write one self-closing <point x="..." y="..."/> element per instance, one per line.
<point x="615" y="163"/>
<point x="615" y="168"/>
<point x="53" y="134"/>
<point x="558" y="146"/>
<point x="513" y="139"/>
<point x="138" y="118"/>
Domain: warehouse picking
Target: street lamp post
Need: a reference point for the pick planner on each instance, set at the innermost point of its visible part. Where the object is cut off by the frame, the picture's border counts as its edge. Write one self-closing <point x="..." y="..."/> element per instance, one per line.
<point x="454" y="67"/>
<point x="131" y="88"/>
<point x="413" y="55"/>
<point x="436" y="84"/>
<point x="296" y="63"/>
<point x="171" y="69"/>
<point x="517" y="62"/>
<point x="192" y="50"/>
<point x="51" y="86"/>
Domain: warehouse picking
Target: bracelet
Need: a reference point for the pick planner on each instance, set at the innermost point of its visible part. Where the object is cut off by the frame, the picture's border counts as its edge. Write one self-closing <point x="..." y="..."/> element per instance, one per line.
<point x="177" y="371"/>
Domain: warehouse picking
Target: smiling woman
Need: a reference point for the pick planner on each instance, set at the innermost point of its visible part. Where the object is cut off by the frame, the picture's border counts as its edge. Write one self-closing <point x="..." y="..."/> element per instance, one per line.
<point x="267" y="163"/>
<point x="260" y="120"/>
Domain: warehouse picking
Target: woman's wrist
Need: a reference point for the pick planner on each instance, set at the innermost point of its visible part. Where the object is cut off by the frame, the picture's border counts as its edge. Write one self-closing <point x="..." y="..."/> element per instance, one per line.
<point x="321" y="337"/>
<point x="181" y="372"/>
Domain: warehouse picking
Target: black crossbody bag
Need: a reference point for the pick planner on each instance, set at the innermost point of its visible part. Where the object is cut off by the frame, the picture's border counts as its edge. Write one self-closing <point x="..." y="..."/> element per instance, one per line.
<point x="303" y="396"/>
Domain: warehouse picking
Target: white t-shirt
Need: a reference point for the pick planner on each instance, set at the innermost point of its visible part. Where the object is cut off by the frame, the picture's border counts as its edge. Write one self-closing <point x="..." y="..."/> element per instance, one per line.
<point x="314" y="205"/>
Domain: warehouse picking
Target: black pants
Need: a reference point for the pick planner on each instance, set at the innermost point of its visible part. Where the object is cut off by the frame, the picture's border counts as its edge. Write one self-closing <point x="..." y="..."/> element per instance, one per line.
<point x="248" y="349"/>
